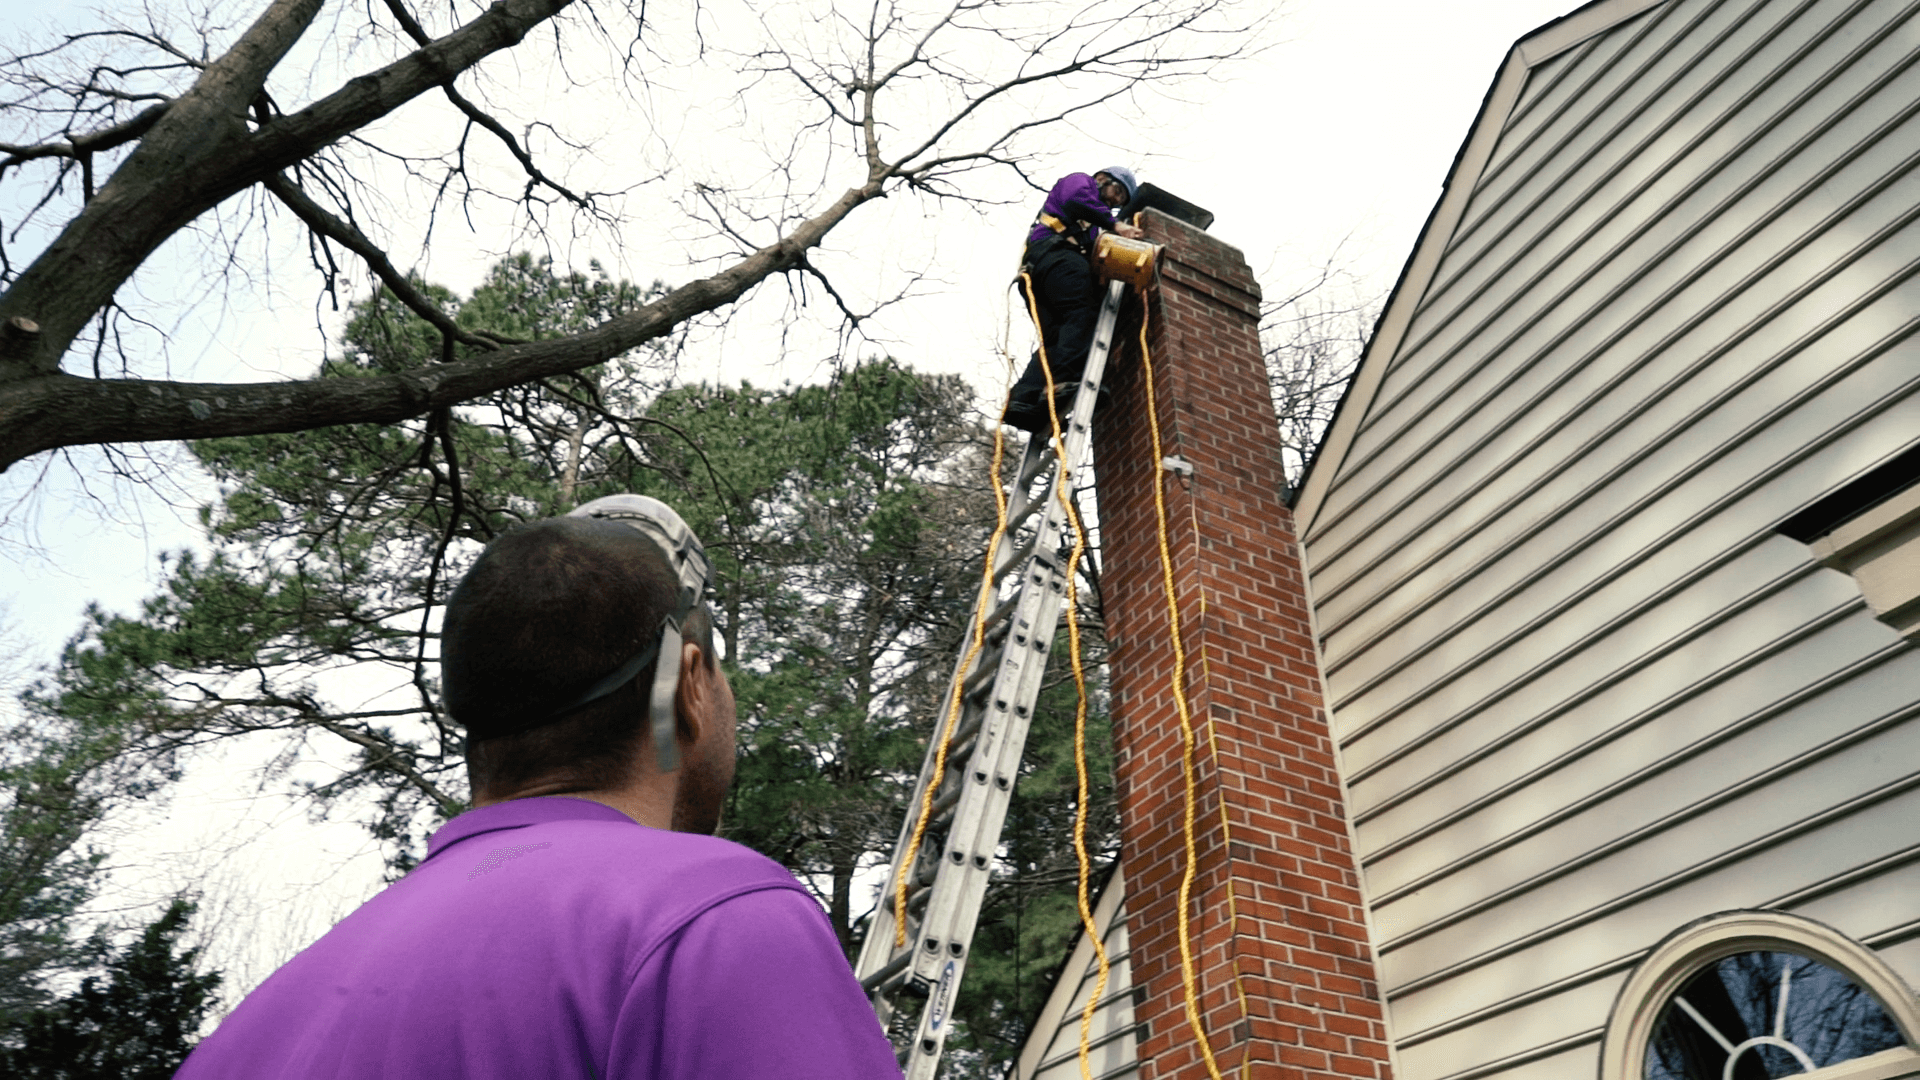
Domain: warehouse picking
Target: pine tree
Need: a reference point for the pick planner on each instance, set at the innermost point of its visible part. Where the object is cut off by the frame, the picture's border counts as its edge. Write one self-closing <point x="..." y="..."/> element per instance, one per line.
<point x="137" y="1021"/>
<point x="846" y="522"/>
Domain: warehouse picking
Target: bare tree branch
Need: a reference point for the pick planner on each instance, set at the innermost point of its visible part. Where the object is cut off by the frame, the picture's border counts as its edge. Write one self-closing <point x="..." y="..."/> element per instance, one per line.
<point x="1312" y="339"/>
<point x="914" y="100"/>
<point x="92" y="142"/>
<point x="343" y="232"/>
<point x="200" y="152"/>
<point x="473" y="112"/>
<point x="40" y="413"/>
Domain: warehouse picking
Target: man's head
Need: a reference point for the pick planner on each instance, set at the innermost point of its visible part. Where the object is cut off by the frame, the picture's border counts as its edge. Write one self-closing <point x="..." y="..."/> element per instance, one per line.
<point x="535" y="649"/>
<point x="1116" y="184"/>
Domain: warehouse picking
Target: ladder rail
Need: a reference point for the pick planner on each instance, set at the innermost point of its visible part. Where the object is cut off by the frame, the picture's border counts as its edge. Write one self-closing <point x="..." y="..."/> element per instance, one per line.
<point x="954" y="865"/>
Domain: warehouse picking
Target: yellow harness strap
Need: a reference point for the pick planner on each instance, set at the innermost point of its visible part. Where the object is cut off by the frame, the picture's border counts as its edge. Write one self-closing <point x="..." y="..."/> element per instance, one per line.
<point x="1053" y="223"/>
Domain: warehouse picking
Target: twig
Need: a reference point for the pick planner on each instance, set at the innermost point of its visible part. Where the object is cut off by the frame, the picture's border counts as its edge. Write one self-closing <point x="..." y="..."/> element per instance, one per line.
<point x="348" y="236"/>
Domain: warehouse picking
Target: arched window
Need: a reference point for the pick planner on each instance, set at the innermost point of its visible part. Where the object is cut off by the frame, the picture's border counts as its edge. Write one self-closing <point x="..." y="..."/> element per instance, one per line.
<point x="1759" y="995"/>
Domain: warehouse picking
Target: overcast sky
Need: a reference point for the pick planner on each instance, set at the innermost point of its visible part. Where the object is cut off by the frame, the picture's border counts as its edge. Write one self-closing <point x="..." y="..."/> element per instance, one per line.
<point x="1338" y="138"/>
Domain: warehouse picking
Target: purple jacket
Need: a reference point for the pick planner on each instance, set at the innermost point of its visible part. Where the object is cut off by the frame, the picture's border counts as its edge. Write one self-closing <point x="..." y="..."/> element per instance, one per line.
<point x="1075" y="197"/>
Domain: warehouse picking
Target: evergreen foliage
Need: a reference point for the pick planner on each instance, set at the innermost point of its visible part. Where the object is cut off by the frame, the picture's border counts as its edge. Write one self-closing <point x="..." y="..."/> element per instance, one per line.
<point x="846" y="523"/>
<point x="60" y="773"/>
<point x="135" y="1022"/>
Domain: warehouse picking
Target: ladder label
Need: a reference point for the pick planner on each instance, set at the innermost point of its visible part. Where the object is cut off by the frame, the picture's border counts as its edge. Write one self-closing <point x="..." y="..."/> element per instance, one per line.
<point x="942" y="998"/>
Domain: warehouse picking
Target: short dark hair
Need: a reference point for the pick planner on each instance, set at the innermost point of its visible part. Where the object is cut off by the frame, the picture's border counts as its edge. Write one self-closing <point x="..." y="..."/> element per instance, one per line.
<point x="547" y="610"/>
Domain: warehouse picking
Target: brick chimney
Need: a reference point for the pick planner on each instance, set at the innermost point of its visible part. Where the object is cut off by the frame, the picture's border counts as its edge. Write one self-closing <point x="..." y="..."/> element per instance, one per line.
<point x="1307" y="1002"/>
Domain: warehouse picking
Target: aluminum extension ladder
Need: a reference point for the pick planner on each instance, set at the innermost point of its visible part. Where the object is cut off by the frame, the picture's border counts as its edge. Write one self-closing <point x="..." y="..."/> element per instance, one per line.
<point x="999" y="689"/>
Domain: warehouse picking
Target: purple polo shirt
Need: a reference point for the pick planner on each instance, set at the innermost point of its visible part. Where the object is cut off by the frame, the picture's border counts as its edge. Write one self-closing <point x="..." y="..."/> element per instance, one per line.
<point x="556" y="937"/>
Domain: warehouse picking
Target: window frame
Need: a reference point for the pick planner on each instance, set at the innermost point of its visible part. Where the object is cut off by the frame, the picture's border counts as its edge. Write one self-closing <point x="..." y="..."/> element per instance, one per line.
<point x="1661" y="975"/>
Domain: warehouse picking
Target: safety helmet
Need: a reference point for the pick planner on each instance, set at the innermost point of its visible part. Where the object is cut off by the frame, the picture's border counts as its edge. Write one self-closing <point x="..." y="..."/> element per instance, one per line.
<point x="1126" y="178"/>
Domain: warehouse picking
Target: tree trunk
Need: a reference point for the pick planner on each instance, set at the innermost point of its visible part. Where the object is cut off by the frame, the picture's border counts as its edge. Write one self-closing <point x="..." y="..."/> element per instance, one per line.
<point x="570" y="478"/>
<point x="840" y="904"/>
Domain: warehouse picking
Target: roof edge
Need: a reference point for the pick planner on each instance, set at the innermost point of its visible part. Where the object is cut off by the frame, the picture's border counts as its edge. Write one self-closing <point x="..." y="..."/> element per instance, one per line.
<point x="1417" y="274"/>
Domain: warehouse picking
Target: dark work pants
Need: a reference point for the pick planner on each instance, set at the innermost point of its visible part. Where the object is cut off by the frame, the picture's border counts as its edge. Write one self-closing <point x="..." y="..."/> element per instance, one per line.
<point x="1068" y="297"/>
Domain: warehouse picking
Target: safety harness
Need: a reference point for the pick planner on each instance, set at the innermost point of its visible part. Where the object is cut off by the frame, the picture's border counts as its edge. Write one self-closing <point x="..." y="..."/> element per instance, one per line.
<point x="1071" y="232"/>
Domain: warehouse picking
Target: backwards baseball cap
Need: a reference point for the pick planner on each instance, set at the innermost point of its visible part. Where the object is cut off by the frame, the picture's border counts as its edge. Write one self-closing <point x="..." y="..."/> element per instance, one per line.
<point x="1125" y="176"/>
<point x="693" y="573"/>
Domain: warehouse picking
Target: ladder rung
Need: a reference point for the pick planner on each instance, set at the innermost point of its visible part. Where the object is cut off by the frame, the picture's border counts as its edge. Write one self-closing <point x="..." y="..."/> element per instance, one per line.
<point x="981" y="679"/>
<point x="969" y="725"/>
<point x="943" y="804"/>
<point x="963" y="742"/>
<point x="1023" y="508"/>
<point x="895" y="971"/>
<point x="1034" y="464"/>
<point x="996" y="635"/>
<point x="1014" y="558"/>
<point x="998" y="618"/>
<point x="918" y="891"/>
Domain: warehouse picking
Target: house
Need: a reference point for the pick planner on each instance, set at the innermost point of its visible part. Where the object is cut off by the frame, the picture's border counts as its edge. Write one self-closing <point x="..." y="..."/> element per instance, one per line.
<point x="1613" y="562"/>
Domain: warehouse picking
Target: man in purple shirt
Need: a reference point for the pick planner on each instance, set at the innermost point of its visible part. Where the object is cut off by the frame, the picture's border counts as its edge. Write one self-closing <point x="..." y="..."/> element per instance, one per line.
<point x="581" y="920"/>
<point x="1066" y="293"/>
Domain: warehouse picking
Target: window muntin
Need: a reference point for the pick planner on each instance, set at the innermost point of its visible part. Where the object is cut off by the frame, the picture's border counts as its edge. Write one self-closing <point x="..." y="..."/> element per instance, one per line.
<point x="1674" y="968"/>
<point x="1762" y="1015"/>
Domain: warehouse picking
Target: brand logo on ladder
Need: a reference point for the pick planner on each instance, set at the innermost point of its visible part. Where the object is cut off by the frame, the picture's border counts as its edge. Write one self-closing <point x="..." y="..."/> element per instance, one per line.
<point x="942" y="997"/>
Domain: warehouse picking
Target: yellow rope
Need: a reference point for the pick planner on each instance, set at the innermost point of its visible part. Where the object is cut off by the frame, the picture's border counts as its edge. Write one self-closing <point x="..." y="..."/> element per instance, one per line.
<point x="1226" y="827"/>
<point x="1085" y="864"/>
<point x="1188" y="982"/>
<point x="984" y="607"/>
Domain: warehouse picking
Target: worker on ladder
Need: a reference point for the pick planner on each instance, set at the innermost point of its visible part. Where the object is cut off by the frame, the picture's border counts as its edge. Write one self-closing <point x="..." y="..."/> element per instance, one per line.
<point x="1058" y="269"/>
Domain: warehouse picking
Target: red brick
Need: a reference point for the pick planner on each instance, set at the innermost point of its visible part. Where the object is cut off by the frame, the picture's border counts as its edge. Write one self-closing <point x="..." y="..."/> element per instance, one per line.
<point x="1260" y="741"/>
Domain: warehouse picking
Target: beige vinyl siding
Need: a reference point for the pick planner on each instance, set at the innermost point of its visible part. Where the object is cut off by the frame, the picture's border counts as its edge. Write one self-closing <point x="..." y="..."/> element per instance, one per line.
<point x="1584" y="693"/>
<point x="1052" y="1050"/>
<point x="1581" y="322"/>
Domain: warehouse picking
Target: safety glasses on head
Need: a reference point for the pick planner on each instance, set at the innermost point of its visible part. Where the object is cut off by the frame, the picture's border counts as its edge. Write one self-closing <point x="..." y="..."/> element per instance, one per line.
<point x="694" y="573"/>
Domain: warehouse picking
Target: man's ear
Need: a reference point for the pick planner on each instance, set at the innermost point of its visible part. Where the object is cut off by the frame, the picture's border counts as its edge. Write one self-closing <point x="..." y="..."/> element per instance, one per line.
<point x="692" y="700"/>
